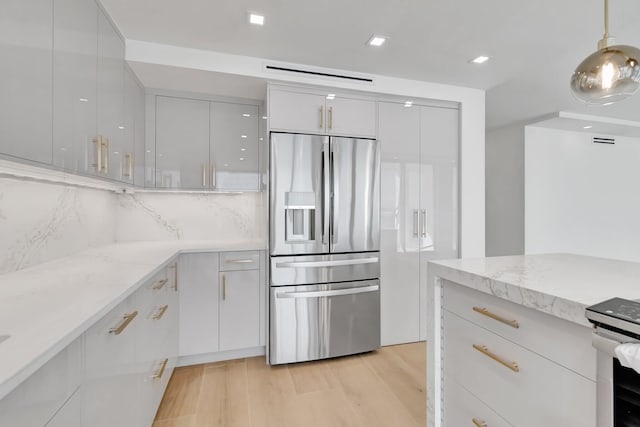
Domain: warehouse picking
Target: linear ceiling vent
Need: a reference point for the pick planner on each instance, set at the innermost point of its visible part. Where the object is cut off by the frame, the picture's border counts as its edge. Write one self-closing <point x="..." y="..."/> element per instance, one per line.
<point x="598" y="140"/>
<point x="323" y="73"/>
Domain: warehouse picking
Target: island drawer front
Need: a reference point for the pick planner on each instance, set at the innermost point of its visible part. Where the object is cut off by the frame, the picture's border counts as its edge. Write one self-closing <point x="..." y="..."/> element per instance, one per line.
<point x="461" y="408"/>
<point x="541" y="393"/>
<point x="245" y="260"/>
<point x="564" y="342"/>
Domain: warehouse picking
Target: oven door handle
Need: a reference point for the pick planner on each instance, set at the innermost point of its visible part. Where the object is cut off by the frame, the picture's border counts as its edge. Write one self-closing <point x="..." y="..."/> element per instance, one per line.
<point x="331" y="293"/>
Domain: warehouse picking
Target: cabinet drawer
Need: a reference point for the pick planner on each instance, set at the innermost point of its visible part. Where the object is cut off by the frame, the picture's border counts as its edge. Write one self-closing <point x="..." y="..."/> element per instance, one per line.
<point x="564" y="342"/>
<point x="247" y="260"/>
<point x="461" y="409"/>
<point x="540" y="393"/>
<point x="39" y="397"/>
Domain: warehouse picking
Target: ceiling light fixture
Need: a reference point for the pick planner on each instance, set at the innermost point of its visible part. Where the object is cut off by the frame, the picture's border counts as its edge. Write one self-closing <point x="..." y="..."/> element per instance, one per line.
<point x="376" y="41"/>
<point x="256" y="19"/>
<point x="609" y="75"/>
<point x="480" y="59"/>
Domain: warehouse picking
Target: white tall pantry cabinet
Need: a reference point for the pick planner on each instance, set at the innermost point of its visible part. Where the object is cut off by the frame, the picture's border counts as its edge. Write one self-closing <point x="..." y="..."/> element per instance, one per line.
<point x="419" y="210"/>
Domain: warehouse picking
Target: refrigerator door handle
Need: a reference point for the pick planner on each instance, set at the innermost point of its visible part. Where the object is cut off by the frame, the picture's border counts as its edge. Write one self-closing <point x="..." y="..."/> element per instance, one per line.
<point x="335" y="263"/>
<point x="335" y="292"/>
<point x="332" y="213"/>
<point x="326" y="184"/>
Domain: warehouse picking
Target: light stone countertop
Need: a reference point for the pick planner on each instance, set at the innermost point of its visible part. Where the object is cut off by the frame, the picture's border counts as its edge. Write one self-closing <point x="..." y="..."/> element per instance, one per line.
<point x="562" y="285"/>
<point x="46" y="307"/>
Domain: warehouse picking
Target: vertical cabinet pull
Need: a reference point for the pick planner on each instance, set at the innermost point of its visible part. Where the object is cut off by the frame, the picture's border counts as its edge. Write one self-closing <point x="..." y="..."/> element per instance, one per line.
<point x="160" y="370"/>
<point x="129" y="168"/>
<point x="321" y="116"/>
<point x="213" y="175"/>
<point x="423" y="214"/>
<point x="175" y="276"/>
<point x="478" y="423"/>
<point x="330" y="117"/>
<point x="224" y="287"/>
<point x="97" y="147"/>
<point x="105" y="163"/>
<point x="415" y="223"/>
<point x="126" y="319"/>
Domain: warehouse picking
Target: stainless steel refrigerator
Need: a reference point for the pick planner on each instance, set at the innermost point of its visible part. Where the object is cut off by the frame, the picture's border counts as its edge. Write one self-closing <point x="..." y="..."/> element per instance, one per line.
<point x="324" y="247"/>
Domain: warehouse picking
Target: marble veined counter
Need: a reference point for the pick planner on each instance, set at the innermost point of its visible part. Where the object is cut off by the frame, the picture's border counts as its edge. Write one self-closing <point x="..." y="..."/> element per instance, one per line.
<point x="562" y="285"/>
<point x="45" y="307"/>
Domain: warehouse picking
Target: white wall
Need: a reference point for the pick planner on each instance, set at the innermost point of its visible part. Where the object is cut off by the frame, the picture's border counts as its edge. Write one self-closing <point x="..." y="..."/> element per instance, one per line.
<point x="505" y="191"/>
<point x="231" y="218"/>
<point x="42" y="221"/>
<point x="582" y="197"/>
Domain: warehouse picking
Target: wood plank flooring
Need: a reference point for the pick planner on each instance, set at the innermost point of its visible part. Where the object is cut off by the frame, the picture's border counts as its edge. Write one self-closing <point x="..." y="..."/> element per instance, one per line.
<point x="384" y="388"/>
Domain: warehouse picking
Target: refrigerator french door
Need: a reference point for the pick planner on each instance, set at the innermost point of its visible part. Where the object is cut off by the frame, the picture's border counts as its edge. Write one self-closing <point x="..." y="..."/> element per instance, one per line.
<point x="324" y="247"/>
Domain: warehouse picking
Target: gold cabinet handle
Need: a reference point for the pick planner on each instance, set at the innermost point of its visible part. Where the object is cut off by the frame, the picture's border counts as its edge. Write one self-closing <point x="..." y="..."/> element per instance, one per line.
<point x="330" y="117"/>
<point x="224" y="287"/>
<point x="128" y="157"/>
<point x="175" y="276"/>
<point x="97" y="146"/>
<point x="159" y="284"/>
<point x="485" y="312"/>
<point x="204" y="175"/>
<point x="478" y="422"/>
<point x="160" y="312"/>
<point x="126" y="319"/>
<point x="321" y="117"/>
<point x="105" y="164"/>
<point x="423" y="214"/>
<point x="485" y="350"/>
<point x="158" y="374"/>
<point x="213" y="175"/>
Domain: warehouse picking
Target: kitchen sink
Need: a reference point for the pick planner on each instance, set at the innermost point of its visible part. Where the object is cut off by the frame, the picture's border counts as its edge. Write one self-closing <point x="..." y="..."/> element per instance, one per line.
<point x="4" y="338"/>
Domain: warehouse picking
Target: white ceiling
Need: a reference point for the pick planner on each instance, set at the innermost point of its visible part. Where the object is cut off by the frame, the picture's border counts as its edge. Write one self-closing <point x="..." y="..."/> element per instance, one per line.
<point x="534" y="45"/>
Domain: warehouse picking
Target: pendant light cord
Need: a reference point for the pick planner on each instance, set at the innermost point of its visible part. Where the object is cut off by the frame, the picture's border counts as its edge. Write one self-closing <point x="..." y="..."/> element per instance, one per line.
<point x="606" y="19"/>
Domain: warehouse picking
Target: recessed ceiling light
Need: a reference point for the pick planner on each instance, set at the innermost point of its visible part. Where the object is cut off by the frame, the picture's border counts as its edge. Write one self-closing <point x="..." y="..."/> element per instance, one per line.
<point x="376" y="41"/>
<point x="243" y="136"/>
<point x="480" y="59"/>
<point x="408" y="103"/>
<point x="256" y="19"/>
<point x="331" y="96"/>
<point x="587" y="127"/>
<point x="246" y="115"/>
<point x="243" y="149"/>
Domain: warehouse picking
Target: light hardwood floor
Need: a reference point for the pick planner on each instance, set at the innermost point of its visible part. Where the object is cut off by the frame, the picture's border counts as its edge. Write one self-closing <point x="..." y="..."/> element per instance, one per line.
<point x="385" y="388"/>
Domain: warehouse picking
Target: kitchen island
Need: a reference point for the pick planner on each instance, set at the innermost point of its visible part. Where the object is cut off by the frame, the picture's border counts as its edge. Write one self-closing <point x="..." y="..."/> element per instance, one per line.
<point x="508" y="341"/>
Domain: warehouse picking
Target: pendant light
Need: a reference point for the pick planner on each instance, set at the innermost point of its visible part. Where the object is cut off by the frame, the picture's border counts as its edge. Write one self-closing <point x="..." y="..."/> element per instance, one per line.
<point x="609" y="75"/>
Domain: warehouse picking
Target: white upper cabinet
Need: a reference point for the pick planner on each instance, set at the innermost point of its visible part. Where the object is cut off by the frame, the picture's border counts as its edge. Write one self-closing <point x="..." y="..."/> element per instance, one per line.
<point x="235" y="152"/>
<point x="351" y="117"/>
<point x="297" y="110"/>
<point x="75" y="51"/>
<point x="139" y="156"/>
<point x="111" y="123"/>
<point x="182" y="143"/>
<point x="129" y="132"/>
<point x="25" y="79"/>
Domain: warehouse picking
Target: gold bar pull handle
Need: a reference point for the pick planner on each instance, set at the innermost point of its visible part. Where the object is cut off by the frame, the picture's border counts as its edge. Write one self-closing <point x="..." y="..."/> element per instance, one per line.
<point x="478" y="423"/>
<point x="485" y="350"/>
<point x="423" y="214"/>
<point x="330" y="117"/>
<point x="126" y="319"/>
<point x="160" y="371"/>
<point x="204" y="175"/>
<point x="213" y="174"/>
<point x="415" y="223"/>
<point x="321" y="117"/>
<point x="175" y="276"/>
<point x="105" y="163"/>
<point x="159" y="284"/>
<point x="129" y="168"/>
<point x="160" y="312"/>
<point x="224" y="287"/>
<point x="485" y="312"/>
<point x="97" y="147"/>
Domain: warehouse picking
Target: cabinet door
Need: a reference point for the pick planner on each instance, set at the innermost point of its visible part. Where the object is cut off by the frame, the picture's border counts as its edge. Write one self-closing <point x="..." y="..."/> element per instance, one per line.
<point x="111" y="124"/>
<point x="438" y="219"/>
<point x="235" y="152"/>
<point x="25" y="79"/>
<point x="296" y="112"/>
<point x="139" y="157"/>
<point x="75" y="51"/>
<point x="111" y="388"/>
<point x="351" y="117"/>
<point x="198" y="284"/>
<point x="399" y="136"/>
<point x="239" y="309"/>
<point x="70" y="415"/>
<point x="129" y="132"/>
<point x="182" y="143"/>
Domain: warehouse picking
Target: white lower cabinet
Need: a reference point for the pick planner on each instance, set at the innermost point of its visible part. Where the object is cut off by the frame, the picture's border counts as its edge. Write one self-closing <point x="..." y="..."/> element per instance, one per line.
<point x="70" y="415"/>
<point x="222" y="300"/>
<point x="461" y="408"/>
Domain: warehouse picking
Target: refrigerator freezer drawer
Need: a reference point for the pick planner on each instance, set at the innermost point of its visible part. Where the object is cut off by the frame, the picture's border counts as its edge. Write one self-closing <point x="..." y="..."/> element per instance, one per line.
<point x="322" y="321"/>
<point x="314" y="269"/>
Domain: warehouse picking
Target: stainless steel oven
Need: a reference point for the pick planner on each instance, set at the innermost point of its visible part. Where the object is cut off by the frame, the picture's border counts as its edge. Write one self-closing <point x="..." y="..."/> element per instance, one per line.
<point x="617" y="321"/>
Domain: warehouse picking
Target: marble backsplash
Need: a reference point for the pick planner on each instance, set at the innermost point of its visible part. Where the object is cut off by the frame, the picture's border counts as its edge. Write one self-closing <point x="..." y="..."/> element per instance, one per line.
<point x="231" y="217"/>
<point x="42" y="221"/>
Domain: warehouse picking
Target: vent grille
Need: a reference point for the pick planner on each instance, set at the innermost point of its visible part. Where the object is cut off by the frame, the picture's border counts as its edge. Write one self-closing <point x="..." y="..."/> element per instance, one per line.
<point x="319" y="73"/>
<point x="598" y="140"/>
